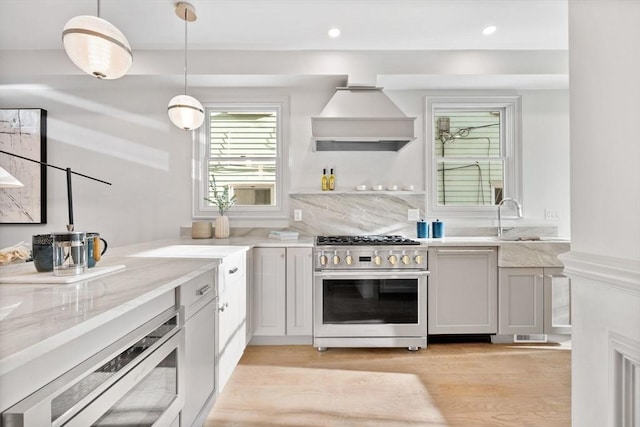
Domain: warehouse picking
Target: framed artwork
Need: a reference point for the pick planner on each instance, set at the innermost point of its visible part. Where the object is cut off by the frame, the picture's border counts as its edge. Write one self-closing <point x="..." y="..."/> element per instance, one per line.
<point x="23" y="132"/>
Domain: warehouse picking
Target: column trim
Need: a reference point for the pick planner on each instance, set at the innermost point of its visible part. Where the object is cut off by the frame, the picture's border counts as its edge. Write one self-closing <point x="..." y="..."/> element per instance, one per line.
<point x="620" y="273"/>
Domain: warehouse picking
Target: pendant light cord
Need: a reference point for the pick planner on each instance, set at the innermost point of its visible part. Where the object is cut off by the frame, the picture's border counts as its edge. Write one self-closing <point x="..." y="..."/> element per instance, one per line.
<point x="185" y="50"/>
<point x="98" y="8"/>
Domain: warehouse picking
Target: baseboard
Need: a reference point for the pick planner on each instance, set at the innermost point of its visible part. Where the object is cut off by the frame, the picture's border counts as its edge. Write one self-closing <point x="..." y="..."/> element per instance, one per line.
<point x="281" y="340"/>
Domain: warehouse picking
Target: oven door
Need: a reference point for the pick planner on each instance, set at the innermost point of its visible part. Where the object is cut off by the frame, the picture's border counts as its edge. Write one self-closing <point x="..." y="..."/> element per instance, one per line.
<point x="370" y="304"/>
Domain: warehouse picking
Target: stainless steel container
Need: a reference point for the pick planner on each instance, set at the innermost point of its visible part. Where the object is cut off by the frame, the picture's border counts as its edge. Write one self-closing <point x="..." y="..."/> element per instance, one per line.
<point x="69" y="253"/>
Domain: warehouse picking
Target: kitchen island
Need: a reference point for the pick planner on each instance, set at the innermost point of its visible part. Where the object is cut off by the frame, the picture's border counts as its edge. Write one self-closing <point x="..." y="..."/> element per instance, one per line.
<point x="49" y="329"/>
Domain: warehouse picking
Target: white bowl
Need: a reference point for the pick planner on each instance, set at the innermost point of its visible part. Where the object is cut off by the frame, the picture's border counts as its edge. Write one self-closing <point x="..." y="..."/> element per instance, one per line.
<point x="377" y="187"/>
<point x="408" y="188"/>
<point x="392" y="187"/>
<point x="361" y="187"/>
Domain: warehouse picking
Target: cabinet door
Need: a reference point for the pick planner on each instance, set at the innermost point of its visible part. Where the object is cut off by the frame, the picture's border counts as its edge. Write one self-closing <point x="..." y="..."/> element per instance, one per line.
<point x="269" y="285"/>
<point x="521" y="301"/>
<point x="463" y="290"/>
<point x="232" y="304"/>
<point x="557" y="304"/>
<point x="200" y="359"/>
<point x="299" y="291"/>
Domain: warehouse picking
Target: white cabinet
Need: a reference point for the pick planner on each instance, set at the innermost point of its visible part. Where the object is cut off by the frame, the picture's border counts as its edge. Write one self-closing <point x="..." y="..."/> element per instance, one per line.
<point x="282" y="287"/>
<point x="299" y="291"/>
<point x="463" y="290"/>
<point x="557" y="301"/>
<point x="198" y="298"/>
<point x="534" y="301"/>
<point x="232" y="314"/>
<point x="269" y="291"/>
<point x="521" y="300"/>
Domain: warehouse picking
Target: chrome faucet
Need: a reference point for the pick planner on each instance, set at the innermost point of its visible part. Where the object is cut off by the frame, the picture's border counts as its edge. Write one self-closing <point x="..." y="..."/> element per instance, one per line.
<point x="518" y="207"/>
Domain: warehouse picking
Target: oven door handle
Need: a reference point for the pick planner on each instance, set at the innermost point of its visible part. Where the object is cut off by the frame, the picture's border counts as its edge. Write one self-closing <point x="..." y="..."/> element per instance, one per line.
<point x="371" y="274"/>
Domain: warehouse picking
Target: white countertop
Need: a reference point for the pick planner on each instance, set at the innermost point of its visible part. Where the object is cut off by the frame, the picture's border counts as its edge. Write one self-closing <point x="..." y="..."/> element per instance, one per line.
<point x="37" y="317"/>
<point x="487" y="241"/>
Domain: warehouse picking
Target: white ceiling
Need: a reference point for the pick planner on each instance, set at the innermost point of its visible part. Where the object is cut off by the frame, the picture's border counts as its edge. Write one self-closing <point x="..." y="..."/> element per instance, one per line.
<point x="301" y="25"/>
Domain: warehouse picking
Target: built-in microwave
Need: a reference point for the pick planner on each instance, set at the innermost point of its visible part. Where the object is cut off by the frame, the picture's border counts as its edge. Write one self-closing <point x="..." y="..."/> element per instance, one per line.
<point x="136" y="381"/>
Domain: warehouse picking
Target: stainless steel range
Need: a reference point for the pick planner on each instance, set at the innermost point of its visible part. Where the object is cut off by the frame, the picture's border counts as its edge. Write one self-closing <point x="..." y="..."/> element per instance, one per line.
<point x="370" y="291"/>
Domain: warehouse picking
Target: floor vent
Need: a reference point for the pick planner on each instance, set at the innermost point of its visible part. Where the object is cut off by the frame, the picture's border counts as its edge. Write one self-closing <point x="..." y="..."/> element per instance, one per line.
<point x="532" y="338"/>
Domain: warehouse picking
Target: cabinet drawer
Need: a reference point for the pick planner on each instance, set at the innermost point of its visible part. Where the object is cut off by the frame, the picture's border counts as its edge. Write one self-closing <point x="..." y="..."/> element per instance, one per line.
<point x="197" y="292"/>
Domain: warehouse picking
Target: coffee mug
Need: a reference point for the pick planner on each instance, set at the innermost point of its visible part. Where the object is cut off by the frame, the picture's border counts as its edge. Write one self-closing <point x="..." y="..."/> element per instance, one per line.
<point x="42" y="252"/>
<point x="93" y="248"/>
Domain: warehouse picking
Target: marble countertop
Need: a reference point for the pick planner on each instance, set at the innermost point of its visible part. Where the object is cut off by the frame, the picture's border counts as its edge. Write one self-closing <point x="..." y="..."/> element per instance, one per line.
<point x="37" y="317"/>
<point x="513" y="253"/>
<point x="488" y="241"/>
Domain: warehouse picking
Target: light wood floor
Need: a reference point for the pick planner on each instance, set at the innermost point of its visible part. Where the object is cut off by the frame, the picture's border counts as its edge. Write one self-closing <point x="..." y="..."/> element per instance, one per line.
<point x="470" y="384"/>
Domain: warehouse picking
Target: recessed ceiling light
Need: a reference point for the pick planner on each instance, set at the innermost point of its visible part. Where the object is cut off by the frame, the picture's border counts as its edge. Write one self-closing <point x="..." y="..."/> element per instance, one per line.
<point x="489" y="30"/>
<point x="334" y="33"/>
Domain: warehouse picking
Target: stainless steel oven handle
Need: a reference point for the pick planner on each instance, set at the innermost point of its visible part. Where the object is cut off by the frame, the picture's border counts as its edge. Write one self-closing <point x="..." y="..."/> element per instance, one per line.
<point x="378" y="274"/>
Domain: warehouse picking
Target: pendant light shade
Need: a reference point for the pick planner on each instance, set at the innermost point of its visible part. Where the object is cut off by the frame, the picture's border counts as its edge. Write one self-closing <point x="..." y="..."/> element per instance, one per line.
<point x="97" y="47"/>
<point x="185" y="111"/>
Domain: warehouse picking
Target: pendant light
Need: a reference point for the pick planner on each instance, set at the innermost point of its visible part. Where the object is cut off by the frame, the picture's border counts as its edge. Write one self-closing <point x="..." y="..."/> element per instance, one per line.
<point x="97" y="47"/>
<point x="185" y="111"/>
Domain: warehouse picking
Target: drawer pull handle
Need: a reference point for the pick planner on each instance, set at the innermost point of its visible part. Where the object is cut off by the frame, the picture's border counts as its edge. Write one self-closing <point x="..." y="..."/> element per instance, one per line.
<point x="465" y="251"/>
<point x="233" y="270"/>
<point x="204" y="290"/>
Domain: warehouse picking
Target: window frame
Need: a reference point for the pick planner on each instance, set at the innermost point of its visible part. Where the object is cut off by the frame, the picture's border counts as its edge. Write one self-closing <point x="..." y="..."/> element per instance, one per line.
<point x="200" y="174"/>
<point x="512" y="149"/>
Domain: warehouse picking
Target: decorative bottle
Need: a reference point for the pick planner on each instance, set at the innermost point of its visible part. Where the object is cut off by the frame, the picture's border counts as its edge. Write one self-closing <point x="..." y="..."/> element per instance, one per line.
<point x="325" y="180"/>
<point x="332" y="181"/>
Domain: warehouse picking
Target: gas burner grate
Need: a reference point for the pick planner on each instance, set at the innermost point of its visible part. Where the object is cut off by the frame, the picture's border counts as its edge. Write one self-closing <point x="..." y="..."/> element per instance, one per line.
<point x="367" y="240"/>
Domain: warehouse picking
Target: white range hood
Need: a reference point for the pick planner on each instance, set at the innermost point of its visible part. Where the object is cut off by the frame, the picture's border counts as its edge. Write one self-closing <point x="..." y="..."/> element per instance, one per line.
<point x="361" y="118"/>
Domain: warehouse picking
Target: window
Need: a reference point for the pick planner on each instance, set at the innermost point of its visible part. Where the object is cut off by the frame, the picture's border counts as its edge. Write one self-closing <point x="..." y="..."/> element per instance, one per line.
<point x="474" y="146"/>
<point x="241" y="146"/>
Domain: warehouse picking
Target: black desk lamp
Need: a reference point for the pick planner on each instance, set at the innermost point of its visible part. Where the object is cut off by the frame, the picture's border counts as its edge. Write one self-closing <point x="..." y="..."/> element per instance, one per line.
<point x="69" y="192"/>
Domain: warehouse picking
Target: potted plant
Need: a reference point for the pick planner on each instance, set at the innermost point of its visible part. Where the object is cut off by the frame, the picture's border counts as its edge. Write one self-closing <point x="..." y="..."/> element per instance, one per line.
<point x="222" y="200"/>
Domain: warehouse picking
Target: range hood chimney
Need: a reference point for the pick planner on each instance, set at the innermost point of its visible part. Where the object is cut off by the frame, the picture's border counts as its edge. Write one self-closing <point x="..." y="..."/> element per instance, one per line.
<point x="361" y="118"/>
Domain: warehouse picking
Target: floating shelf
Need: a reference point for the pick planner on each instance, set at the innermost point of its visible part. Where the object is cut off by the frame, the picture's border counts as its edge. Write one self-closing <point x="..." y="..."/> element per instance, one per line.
<point x="367" y="192"/>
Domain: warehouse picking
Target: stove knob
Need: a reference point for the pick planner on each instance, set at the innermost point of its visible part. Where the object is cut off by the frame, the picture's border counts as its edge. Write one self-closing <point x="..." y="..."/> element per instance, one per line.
<point x="377" y="260"/>
<point x="336" y="259"/>
<point x="348" y="259"/>
<point x="418" y="259"/>
<point x="405" y="259"/>
<point x="393" y="259"/>
<point x="323" y="260"/>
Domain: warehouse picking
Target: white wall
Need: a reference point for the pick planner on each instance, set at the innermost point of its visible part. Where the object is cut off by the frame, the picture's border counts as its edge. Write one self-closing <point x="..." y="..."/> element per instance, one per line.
<point x="119" y="131"/>
<point x="604" y="262"/>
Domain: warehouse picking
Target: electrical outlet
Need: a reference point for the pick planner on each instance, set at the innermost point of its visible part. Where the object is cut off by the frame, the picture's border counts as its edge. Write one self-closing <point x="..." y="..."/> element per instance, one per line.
<point x="413" y="214"/>
<point x="551" y="214"/>
<point x="297" y="214"/>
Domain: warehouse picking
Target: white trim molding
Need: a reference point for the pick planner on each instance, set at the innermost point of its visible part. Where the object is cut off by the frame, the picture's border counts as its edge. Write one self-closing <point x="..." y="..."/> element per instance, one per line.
<point x="624" y="381"/>
<point x="620" y="273"/>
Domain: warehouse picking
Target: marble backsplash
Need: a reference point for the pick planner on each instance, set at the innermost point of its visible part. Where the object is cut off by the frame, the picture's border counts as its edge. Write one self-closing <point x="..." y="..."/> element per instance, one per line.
<point x="384" y="213"/>
<point x="354" y="214"/>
